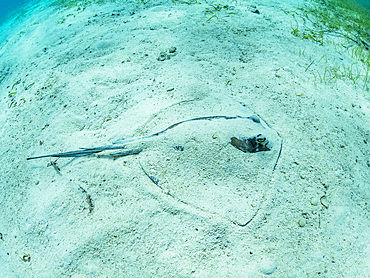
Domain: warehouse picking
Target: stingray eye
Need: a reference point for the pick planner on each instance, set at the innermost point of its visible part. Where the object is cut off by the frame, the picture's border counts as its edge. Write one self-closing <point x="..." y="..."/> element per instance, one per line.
<point x="260" y="138"/>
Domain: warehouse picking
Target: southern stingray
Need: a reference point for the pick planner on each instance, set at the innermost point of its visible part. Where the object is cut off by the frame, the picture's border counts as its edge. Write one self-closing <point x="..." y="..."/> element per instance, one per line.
<point x="218" y="158"/>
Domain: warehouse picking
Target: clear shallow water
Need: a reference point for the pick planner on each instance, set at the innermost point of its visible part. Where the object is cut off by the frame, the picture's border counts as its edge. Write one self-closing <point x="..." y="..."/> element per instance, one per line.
<point x="11" y="12"/>
<point x="9" y="6"/>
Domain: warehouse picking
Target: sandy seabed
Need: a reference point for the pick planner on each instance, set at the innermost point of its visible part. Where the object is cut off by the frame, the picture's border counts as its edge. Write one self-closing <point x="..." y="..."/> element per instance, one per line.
<point x="82" y="78"/>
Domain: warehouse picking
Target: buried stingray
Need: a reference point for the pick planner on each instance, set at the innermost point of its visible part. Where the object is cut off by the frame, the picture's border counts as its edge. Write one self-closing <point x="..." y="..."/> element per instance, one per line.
<point x="219" y="163"/>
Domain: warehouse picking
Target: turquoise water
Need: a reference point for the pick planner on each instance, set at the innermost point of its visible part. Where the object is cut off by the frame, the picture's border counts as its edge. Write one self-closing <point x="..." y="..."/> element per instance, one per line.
<point x="9" y="6"/>
<point x="11" y="12"/>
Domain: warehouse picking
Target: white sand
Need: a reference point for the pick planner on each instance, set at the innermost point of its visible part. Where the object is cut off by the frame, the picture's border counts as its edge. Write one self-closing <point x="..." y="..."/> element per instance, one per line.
<point x="86" y="78"/>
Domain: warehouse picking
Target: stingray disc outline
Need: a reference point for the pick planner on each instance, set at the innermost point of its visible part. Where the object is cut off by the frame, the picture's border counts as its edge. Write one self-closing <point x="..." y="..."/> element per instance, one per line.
<point x="204" y="178"/>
